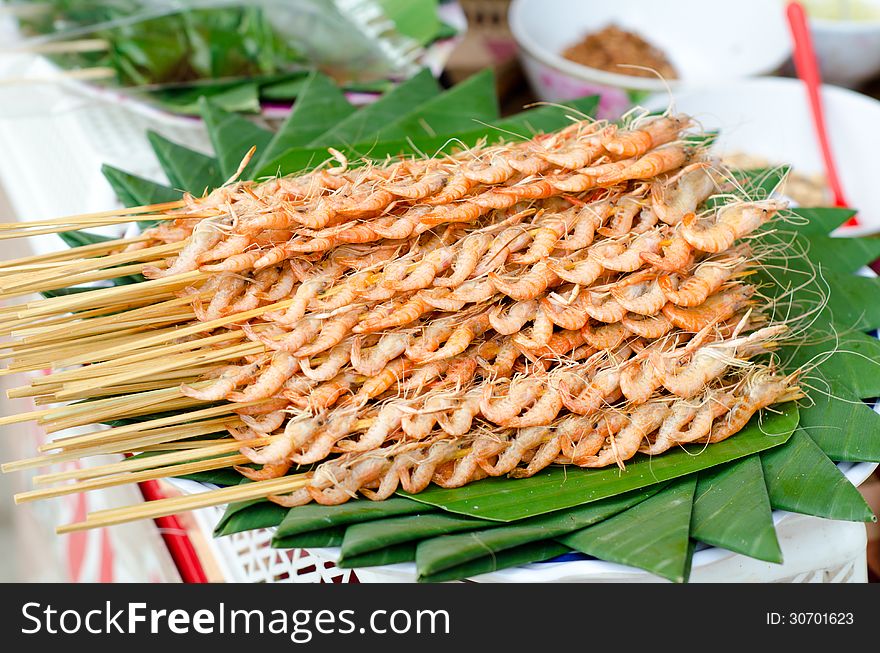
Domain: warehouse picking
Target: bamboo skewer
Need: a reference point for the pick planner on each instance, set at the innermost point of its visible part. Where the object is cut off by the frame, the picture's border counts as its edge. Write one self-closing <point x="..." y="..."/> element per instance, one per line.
<point x="114" y="213"/>
<point x="165" y="507"/>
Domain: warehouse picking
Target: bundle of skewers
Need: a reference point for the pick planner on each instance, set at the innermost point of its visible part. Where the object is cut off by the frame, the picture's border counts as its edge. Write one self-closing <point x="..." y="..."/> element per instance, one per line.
<point x="577" y="299"/>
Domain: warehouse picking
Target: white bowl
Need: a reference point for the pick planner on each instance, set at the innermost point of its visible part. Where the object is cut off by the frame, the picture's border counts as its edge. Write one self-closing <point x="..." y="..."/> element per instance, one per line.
<point x="707" y="42"/>
<point x="770" y="118"/>
<point x="848" y="50"/>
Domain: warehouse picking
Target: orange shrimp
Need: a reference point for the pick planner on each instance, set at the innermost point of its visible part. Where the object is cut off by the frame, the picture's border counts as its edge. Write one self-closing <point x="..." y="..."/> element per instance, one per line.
<point x="324" y="395"/>
<point x="590" y="217"/>
<point x="639" y="293"/>
<point x="428" y="184"/>
<point x="468" y="256"/>
<point x="643" y="421"/>
<point x="333" y="331"/>
<point x="236" y="263"/>
<point x="719" y="231"/>
<point x="566" y="316"/>
<point x="683" y="193"/>
<point x="514" y="319"/>
<point x="653" y="163"/>
<point x="409" y="312"/>
<point x="282" y="367"/>
<point x="604" y="308"/>
<point x="693" y="291"/>
<point x="528" y="286"/>
<point x="762" y="389"/>
<point x="426" y="270"/>
<point x="650" y="327"/>
<point x="441" y="299"/>
<point x="496" y="171"/>
<point x="550" y="230"/>
<point x="525" y="440"/>
<point x="716" y="308"/>
<point x="235" y="244"/>
<point x="395" y="372"/>
<point x="337" y="358"/>
<point x="456" y="187"/>
<point x="305" y="330"/>
<point x="228" y="381"/>
<point x="460" y="338"/>
<point x="521" y="392"/>
<point x="466" y="211"/>
<point x="677" y="254"/>
<point x="656" y="132"/>
<point x="604" y="336"/>
<point x="390" y="346"/>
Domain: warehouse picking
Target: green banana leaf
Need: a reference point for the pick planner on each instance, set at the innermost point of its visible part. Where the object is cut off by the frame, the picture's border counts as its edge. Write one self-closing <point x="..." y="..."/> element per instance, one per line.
<point x="461" y="108"/>
<point x="374" y="535"/>
<point x="505" y="499"/>
<point x="81" y="238"/>
<point x="844" y="427"/>
<point x="732" y="510"/>
<point x="521" y="555"/>
<point x="362" y="124"/>
<point x="652" y="535"/>
<point x="801" y="478"/>
<point x="439" y="553"/>
<point x="313" y="517"/>
<point x="248" y="515"/>
<point x="137" y="191"/>
<point x="325" y="537"/>
<point x="232" y="136"/>
<point x="319" y="106"/>
<point x="404" y="552"/>
<point x="186" y="169"/>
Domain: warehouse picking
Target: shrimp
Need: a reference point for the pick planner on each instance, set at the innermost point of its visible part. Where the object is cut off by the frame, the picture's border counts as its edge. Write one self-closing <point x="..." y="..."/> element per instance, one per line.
<point x="566" y="316"/>
<point x="458" y="421"/>
<point x="282" y="367"/>
<point x="251" y="298"/>
<point x="474" y="291"/>
<point x="235" y="244"/>
<point x="504" y="362"/>
<point x="425" y="464"/>
<point x="401" y="227"/>
<point x="654" y="163"/>
<point x="385" y="423"/>
<point x="542" y="412"/>
<point x="336" y="360"/>
<point x="203" y="238"/>
<point x="604" y="308"/>
<point x="265" y="473"/>
<point x="432" y="336"/>
<point x="428" y="184"/>
<point x="628" y="259"/>
<point x="230" y="288"/>
<point x="639" y="293"/>
<point x="470" y="252"/>
<point x="363" y="473"/>
<point x="525" y="440"/>
<point x="682" y="194"/>
<point x="305" y="293"/>
<point x="522" y="392"/>
<point x="426" y="270"/>
<point x="296" y="434"/>
<point x="650" y="327"/>
<point x="456" y="187"/>
<point x="718" y="232"/>
<point x="604" y="336"/>
<point x="527" y="162"/>
<point x="623" y="215"/>
<point x="539" y="334"/>
<point x="390" y="346"/>
<point x="579" y="437"/>
<point x="296" y="339"/>
<point x="282" y="286"/>
<point x="528" y="286"/>
<point x="717" y="308"/>
<point x="231" y="377"/>
<point x="324" y="395"/>
<point x="335" y="427"/>
<point x="441" y="299"/>
<point x="460" y="338"/>
<point x="393" y="373"/>
<point x="236" y="263"/>
<point x="689" y="421"/>
<point x="656" y="132"/>
<point x="762" y="389"/>
<point x="638" y="380"/>
<point x="643" y="421"/>
<point x="410" y="311"/>
<point x="546" y="454"/>
<point x="496" y="171"/>
<point x="582" y="273"/>
<point x="465" y="211"/>
<point x="677" y="254"/>
<point x="265" y="423"/>
<point x="515" y="318"/>
<point x="694" y="290"/>
<point x="601" y="389"/>
<point x="551" y="229"/>
<point x="590" y="217"/>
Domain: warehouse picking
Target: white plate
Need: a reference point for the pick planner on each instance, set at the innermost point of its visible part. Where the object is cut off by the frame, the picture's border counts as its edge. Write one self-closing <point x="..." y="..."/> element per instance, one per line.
<point x="769" y="117"/>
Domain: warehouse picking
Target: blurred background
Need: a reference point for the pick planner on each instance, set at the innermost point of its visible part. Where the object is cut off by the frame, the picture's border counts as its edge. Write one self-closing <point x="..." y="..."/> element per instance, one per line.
<point x="82" y="81"/>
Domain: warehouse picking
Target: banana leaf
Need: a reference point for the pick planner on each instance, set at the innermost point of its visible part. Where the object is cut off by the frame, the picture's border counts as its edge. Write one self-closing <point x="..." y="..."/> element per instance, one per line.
<point x="363" y="124"/>
<point x="416" y="19"/>
<point x="801" y="478"/>
<point x="232" y="136"/>
<point x="389" y="555"/>
<point x="313" y="517"/>
<point x="821" y="221"/>
<point x="373" y="535"/>
<point x="319" y="106"/>
<point x="325" y="537"/>
<point x="248" y="515"/>
<point x="439" y="553"/>
<point x="505" y="499"/>
<point x="844" y="427"/>
<point x="186" y="169"/>
<point x="652" y="535"/>
<point x="732" y="510"/>
<point x="81" y="238"/>
<point x="461" y="108"/>
<point x="521" y="555"/>
<point x="846" y="305"/>
<point x="137" y="191"/>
